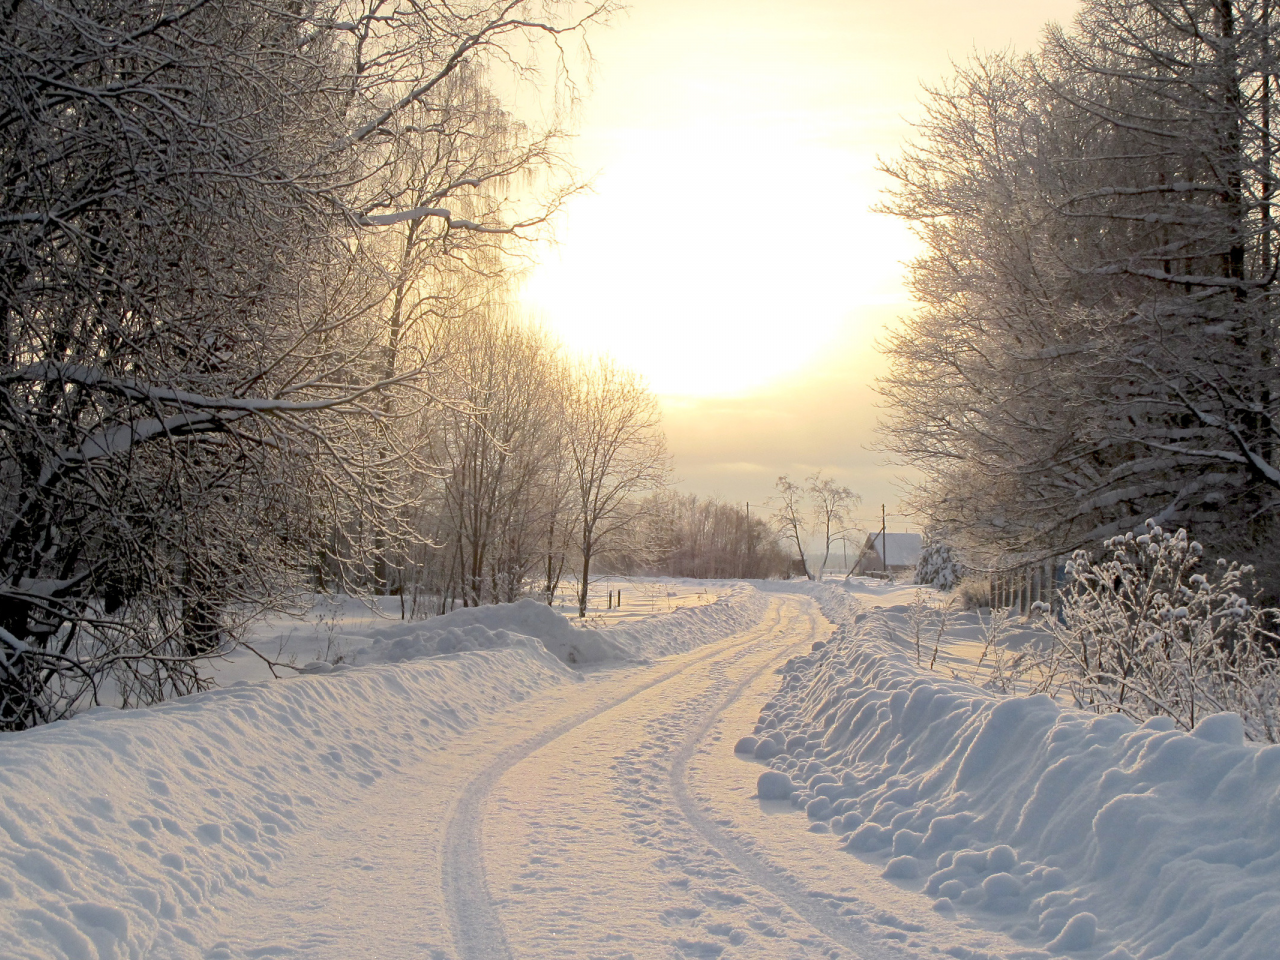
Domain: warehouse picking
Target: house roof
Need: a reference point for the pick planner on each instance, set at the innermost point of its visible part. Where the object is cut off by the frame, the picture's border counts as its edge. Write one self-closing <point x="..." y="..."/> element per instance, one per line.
<point x="904" y="548"/>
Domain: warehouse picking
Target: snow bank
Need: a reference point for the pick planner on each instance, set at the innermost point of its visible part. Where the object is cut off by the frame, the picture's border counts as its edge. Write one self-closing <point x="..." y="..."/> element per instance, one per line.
<point x="118" y="828"/>
<point x="527" y="623"/>
<point x="1072" y="832"/>
<point x="533" y="625"/>
<point x="740" y="607"/>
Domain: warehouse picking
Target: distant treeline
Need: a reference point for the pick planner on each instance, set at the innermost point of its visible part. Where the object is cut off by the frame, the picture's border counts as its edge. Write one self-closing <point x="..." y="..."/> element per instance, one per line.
<point x="682" y="535"/>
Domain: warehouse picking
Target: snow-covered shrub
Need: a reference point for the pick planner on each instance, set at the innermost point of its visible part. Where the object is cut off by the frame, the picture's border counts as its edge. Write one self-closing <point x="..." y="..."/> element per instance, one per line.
<point x="974" y="592"/>
<point x="938" y="567"/>
<point x="1145" y="632"/>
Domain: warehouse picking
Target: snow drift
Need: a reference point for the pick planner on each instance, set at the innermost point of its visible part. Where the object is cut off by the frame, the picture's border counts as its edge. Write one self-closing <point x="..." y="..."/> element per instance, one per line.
<point x="740" y="606"/>
<point x="530" y="624"/>
<point x="1073" y="832"/>
<point x="526" y="623"/>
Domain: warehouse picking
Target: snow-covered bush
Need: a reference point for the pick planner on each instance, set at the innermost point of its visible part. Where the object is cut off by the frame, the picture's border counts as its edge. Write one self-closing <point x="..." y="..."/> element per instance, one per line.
<point x="1145" y="632"/>
<point x="938" y="567"/>
<point x="974" y="592"/>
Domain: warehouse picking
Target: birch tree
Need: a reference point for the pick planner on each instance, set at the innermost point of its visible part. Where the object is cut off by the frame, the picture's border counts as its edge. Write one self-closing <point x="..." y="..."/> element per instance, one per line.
<point x="831" y="504"/>
<point x="791" y="517"/>
<point x="815" y="512"/>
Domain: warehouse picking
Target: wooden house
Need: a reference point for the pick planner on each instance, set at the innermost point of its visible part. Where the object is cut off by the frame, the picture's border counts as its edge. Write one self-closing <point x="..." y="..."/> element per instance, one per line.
<point x="885" y="554"/>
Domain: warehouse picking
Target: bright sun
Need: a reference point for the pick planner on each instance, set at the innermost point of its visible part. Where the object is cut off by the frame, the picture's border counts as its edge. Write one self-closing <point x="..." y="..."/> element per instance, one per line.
<point x="713" y="261"/>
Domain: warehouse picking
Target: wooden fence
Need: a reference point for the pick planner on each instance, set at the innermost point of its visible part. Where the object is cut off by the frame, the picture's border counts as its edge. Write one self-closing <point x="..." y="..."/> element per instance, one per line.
<point x="1020" y="587"/>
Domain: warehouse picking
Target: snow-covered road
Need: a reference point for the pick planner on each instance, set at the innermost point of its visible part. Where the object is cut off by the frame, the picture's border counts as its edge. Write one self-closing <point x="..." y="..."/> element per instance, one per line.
<point x="585" y="822"/>
<point x="607" y="819"/>
<point x="600" y="847"/>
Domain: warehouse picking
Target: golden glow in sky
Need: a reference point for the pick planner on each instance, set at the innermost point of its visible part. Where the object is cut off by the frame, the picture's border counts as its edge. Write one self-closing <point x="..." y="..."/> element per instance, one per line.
<point x="687" y="266"/>
<point x="727" y="251"/>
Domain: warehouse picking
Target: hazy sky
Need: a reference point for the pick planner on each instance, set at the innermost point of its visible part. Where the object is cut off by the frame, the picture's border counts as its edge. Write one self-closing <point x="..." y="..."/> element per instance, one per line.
<point x="727" y="251"/>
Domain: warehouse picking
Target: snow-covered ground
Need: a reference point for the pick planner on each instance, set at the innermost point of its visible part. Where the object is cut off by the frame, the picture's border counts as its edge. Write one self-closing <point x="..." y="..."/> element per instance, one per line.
<point x="695" y="783"/>
<point x="942" y="637"/>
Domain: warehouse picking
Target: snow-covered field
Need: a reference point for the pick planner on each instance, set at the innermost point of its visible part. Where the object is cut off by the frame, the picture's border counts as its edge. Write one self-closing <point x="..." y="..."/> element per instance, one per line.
<point x="695" y="783"/>
<point x="920" y="619"/>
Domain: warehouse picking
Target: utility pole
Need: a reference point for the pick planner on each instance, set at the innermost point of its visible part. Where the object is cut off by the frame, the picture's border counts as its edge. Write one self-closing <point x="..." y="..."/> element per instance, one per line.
<point x="884" y="541"/>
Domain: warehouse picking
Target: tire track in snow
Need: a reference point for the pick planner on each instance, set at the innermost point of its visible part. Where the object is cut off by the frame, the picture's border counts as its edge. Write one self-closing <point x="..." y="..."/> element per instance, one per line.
<point x="474" y="921"/>
<point x="815" y="912"/>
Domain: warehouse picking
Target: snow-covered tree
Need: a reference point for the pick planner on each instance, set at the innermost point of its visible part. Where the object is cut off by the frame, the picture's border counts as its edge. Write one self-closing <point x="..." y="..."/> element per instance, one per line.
<point x="1095" y="339"/>
<point x="204" y="364"/>
<point x="938" y="567"/>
